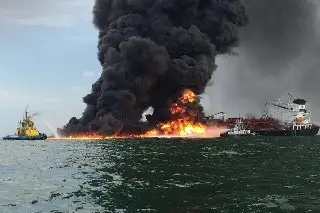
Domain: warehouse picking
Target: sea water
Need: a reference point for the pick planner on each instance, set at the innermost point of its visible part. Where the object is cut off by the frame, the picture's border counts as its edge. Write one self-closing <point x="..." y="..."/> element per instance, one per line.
<point x="161" y="175"/>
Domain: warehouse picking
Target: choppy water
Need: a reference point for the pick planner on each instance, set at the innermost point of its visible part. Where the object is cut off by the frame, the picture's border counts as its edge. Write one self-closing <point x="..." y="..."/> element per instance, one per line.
<point x="256" y="175"/>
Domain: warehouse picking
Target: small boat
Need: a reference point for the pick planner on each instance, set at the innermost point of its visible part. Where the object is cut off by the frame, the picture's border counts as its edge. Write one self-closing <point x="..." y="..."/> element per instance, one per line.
<point x="238" y="130"/>
<point x="26" y="130"/>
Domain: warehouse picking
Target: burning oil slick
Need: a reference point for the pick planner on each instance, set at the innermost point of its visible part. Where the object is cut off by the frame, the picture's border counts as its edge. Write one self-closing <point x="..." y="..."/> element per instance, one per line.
<point x="151" y="51"/>
<point x="184" y="122"/>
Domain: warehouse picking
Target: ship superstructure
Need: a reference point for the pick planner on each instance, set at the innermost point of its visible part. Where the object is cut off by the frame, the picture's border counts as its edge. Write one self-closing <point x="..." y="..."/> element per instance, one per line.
<point x="26" y="130"/>
<point x="300" y="123"/>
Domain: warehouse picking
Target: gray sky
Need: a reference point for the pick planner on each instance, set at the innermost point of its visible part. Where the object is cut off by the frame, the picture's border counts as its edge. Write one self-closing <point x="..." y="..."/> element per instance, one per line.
<point x="279" y="52"/>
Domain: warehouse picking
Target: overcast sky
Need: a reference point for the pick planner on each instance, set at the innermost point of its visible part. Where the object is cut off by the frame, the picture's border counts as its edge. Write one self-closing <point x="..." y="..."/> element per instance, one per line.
<point x="279" y="52"/>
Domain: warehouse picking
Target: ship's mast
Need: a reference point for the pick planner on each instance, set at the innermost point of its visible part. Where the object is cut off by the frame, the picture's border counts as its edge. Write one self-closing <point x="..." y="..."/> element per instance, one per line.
<point x="26" y="117"/>
<point x="290" y="95"/>
<point x="265" y="111"/>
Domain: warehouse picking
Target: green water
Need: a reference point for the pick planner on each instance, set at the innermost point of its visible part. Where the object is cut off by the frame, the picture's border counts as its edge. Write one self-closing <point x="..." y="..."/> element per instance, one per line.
<point x="161" y="175"/>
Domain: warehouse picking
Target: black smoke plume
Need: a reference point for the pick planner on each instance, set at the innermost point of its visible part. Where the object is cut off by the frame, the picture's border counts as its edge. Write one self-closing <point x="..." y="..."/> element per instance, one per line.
<point x="150" y="51"/>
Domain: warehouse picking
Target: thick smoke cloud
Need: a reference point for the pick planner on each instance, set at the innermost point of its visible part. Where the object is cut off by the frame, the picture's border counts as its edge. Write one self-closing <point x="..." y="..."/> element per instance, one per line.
<point x="150" y="51"/>
<point x="279" y="52"/>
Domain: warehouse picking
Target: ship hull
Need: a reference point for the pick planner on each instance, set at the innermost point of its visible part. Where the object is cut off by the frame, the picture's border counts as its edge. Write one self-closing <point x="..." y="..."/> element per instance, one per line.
<point x="289" y="132"/>
<point x="237" y="135"/>
<point x="22" y="137"/>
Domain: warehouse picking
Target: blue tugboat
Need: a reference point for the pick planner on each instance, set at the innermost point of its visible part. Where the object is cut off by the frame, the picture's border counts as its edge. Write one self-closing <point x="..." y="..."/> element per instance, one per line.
<point x="26" y="130"/>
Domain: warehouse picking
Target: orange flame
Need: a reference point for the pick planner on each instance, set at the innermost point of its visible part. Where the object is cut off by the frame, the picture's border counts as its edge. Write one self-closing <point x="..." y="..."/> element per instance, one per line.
<point x="188" y="97"/>
<point x="182" y="127"/>
<point x="176" y="109"/>
<point x="185" y="126"/>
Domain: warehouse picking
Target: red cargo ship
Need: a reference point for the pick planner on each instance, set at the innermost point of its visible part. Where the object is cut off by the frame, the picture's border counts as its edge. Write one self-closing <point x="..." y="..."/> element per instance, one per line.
<point x="299" y="125"/>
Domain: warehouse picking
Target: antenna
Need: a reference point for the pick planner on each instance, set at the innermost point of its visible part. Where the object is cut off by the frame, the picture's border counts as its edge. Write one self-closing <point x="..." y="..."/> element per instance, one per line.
<point x="26" y="118"/>
<point x="27" y="107"/>
<point x="290" y="98"/>
<point x="265" y="110"/>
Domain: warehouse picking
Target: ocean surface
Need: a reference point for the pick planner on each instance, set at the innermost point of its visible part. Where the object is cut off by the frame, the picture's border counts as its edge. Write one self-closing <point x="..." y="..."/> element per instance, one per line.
<point x="161" y="175"/>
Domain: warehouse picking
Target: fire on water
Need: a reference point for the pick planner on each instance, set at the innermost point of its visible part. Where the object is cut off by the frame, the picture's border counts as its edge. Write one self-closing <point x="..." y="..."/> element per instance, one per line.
<point x="189" y="132"/>
<point x="184" y="126"/>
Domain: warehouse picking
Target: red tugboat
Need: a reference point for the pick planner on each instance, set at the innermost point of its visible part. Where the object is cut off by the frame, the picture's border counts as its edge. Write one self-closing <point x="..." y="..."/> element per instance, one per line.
<point x="300" y="124"/>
